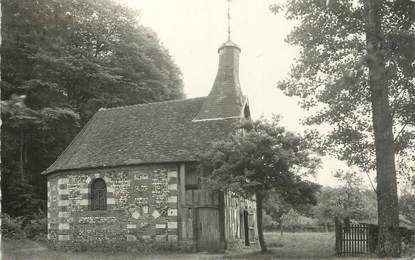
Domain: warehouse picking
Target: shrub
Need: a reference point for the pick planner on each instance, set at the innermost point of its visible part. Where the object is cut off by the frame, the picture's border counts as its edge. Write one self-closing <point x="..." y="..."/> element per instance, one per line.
<point x="12" y="228"/>
<point x="36" y="227"/>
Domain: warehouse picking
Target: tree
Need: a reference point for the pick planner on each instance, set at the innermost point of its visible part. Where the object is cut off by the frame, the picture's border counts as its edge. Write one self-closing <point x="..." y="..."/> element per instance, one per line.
<point x="356" y="72"/>
<point x="350" y="200"/>
<point x="261" y="157"/>
<point x="276" y="207"/>
<point x="30" y="130"/>
<point x="68" y="59"/>
<point x="88" y="54"/>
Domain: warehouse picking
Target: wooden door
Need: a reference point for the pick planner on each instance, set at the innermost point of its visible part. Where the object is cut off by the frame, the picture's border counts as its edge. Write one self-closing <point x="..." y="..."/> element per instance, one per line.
<point x="208" y="233"/>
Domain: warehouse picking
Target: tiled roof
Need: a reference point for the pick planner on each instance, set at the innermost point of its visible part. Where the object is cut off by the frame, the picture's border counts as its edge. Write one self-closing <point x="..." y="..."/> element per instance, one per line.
<point x="147" y="133"/>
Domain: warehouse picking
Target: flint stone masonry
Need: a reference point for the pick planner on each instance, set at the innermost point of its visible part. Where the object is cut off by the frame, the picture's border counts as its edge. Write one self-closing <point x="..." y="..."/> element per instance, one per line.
<point x="138" y="206"/>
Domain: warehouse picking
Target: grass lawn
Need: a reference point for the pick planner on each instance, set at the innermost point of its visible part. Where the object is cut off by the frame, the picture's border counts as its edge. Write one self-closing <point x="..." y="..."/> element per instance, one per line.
<point x="291" y="245"/>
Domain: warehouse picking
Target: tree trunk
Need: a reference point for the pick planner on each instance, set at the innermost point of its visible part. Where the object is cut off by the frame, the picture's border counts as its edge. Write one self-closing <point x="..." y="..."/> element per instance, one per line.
<point x="281" y="228"/>
<point x="259" y="206"/>
<point x="388" y="215"/>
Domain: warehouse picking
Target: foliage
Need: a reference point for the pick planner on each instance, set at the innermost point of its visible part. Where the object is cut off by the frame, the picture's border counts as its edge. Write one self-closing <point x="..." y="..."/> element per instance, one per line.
<point x="12" y="228"/>
<point x="331" y="75"/>
<point x="259" y="158"/>
<point x="32" y="226"/>
<point x="276" y="207"/>
<point x="36" y="228"/>
<point x="268" y="221"/>
<point x="61" y="62"/>
<point x="350" y="200"/>
<point x="280" y="210"/>
<point x="407" y="206"/>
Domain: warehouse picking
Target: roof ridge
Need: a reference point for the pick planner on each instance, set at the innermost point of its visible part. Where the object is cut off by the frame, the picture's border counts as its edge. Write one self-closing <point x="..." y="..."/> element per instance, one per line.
<point x="152" y="103"/>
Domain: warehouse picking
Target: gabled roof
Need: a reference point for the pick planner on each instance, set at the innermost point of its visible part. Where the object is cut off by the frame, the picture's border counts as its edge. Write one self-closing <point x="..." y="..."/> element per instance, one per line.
<point x="146" y="133"/>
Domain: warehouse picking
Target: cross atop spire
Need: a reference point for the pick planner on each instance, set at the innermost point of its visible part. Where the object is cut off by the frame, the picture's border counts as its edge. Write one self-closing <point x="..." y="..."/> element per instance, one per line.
<point x="229" y="20"/>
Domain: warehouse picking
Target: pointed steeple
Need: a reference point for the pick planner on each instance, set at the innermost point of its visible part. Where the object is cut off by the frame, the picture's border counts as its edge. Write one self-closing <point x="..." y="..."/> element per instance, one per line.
<point x="225" y="99"/>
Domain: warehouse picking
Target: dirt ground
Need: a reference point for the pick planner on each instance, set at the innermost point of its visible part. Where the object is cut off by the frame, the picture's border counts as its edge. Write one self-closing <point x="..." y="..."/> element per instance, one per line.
<point x="288" y="246"/>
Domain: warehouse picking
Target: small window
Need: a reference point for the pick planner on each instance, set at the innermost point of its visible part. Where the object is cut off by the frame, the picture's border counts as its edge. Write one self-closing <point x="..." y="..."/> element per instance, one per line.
<point x="98" y="195"/>
<point x="192" y="180"/>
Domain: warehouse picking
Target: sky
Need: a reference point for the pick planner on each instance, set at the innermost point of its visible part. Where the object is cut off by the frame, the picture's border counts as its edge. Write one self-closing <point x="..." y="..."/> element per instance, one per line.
<point x="193" y="30"/>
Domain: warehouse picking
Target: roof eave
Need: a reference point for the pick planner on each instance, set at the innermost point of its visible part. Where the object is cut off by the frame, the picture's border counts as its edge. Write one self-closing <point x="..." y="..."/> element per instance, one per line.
<point x="114" y="166"/>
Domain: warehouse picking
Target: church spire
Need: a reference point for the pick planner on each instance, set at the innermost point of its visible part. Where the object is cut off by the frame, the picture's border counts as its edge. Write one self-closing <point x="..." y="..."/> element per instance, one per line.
<point x="225" y="99"/>
<point x="229" y="20"/>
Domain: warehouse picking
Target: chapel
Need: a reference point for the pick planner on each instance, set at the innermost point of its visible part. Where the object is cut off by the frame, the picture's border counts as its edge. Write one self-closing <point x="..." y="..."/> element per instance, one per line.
<point x="130" y="177"/>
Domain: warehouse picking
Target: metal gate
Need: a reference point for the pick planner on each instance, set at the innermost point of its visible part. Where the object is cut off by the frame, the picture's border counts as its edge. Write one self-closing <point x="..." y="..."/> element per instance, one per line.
<point x="355" y="239"/>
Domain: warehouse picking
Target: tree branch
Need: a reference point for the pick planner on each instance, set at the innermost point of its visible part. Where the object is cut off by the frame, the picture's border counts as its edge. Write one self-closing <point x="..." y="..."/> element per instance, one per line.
<point x="399" y="133"/>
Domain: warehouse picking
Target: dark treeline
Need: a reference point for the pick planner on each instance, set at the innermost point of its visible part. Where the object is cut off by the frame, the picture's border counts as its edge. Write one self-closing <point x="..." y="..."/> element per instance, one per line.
<point x="61" y="61"/>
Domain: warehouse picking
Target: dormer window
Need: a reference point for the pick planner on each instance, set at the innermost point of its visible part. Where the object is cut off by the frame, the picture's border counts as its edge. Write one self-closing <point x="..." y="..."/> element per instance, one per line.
<point x="247" y="113"/>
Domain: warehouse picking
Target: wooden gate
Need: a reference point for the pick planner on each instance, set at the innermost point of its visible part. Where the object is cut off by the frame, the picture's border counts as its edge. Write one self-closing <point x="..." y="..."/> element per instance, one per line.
<point x="354" y="239"/>
<point x="207" y="226"/>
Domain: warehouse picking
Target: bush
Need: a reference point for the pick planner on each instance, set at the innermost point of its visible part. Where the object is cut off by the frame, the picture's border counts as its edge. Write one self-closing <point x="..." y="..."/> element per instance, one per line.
<point x="33" y="227"/>
<point x="12" y="228"/>
<point x="37" y="227"/>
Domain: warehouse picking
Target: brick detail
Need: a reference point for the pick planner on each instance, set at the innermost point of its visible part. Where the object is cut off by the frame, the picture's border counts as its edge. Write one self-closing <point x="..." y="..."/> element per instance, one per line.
<point x="63" y="226"/>
<point x="63" y="192"/>
<point x="172" y="238"/>
<point x="173" y="186"/>
<point x="63" y="203"/>
<point x="172" y="225"/>
<point x="172" y="212"/>
<point x="64" y="237"/>
<point x="172" y="203"/>
<point x="110" y="201"/>
<point x="63" y="213"/>
<point x="161" y="237"/>
<point x="131" y="226"/>
<point x="160" y="225"/>
<point x="63" y="181"/>
<point x="172" y="199"/>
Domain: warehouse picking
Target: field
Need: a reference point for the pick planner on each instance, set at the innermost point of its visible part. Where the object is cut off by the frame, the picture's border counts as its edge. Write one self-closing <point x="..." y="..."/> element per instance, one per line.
<point x="291" y="245"/>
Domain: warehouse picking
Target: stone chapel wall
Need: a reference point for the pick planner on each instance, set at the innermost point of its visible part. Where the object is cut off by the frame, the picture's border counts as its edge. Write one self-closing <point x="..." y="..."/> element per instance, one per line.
<point x="141" y="207"/>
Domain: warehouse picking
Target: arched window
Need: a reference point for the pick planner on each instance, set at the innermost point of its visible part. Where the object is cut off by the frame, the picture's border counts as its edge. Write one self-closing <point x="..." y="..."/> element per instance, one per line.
<point x="98" y="195"/>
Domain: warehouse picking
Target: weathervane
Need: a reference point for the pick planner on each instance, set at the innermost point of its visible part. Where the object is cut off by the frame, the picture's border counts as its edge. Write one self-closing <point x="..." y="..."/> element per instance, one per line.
<point x="229" y="20"/>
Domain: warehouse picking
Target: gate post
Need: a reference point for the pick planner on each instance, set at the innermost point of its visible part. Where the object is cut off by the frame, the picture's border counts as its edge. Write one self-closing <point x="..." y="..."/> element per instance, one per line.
<point x="339" y="235"/>
<point x="373" y="238"/>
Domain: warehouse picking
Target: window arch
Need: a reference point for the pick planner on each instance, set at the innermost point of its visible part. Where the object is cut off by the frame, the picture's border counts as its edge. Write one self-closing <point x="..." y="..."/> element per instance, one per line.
<point x="98" y="195"/>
